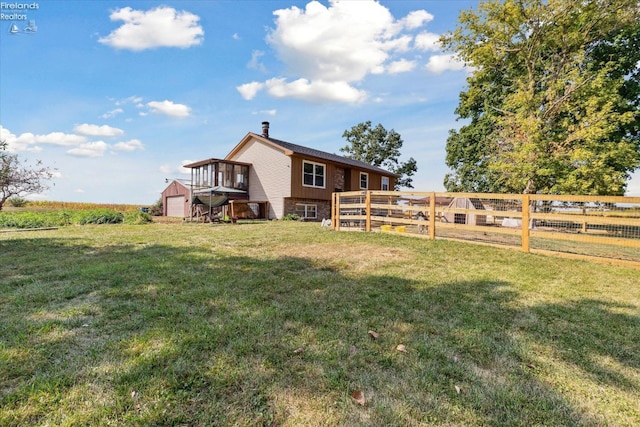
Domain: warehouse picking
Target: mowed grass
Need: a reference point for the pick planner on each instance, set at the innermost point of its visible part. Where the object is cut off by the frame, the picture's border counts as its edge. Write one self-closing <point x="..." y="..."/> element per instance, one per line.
<point x="268" y="324"/>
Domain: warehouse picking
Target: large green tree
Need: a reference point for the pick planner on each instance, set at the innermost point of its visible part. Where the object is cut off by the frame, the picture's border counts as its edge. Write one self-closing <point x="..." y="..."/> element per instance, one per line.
<point x="17" y="177"/>
<point x="553" y="99"/>
<point x="380" y="148"/>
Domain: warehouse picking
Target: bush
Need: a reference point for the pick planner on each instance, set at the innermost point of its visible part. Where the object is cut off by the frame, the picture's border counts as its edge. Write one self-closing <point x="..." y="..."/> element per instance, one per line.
<point x="101" y="216"/>
<point x="137" y="218"/>
<point x="64" y="217"/>
<point x="291" y="217"/>
<point x="18" y="202"/>
<point x="30" y="219"/>
<point x="156" y="210"/>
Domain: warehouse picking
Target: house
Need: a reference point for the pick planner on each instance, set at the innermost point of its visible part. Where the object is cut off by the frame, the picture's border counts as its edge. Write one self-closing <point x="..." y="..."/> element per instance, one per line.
<point x="276" y="178"/>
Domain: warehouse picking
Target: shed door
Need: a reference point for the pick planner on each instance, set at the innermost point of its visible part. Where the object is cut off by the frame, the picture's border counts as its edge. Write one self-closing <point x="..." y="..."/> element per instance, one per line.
<point x="175" y="206"/>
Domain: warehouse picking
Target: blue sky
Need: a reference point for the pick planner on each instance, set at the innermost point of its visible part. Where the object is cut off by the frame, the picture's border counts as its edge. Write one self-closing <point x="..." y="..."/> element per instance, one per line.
<point x="118" y="95"/>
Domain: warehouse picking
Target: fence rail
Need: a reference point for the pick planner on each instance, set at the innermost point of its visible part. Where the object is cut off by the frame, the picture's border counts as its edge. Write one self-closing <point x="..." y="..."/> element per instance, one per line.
<point x="596" y="227"/>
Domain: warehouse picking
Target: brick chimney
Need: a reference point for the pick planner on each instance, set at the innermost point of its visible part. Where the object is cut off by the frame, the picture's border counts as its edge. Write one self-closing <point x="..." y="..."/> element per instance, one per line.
<point x="265" y="129"/>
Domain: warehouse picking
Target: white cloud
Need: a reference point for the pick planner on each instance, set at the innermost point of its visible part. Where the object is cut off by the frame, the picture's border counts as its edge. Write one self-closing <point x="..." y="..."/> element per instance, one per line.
<point x="398" y="44"/>
<point x="95" y="130"/>
<point x="417" y="18"/>
<point x="255" y="61"/>
<point x="440" y="63"/>
<point x="266" y="112"/>
<point x="316" y="91"/>
<point x="176" y="169"/>
<point x="401" y="66"/>
<point x="89" y="149"/>
<point x="249" y="90"/>
<point x="328" y="49"/>
<point x="137" y="100"/>
<point x="168" y="108"/>
<point x="27" y="141"/>
<point x="427" y="41"/>
<point x="131" y="145"/>
<point x="159" y="27"/>
<point x="342" y="42"/>
<point x="58" y="138"/>
<point x="112" y="113"/>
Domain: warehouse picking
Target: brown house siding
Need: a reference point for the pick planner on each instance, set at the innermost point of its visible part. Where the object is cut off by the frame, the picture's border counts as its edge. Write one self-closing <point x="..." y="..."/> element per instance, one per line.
<point x="338" y="178"/>
<point x="375" y="180"/>
<point x="302" y="192"/>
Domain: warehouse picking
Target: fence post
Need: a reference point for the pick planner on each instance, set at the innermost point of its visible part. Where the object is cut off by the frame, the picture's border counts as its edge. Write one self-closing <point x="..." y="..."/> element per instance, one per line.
<point x="367" y="205"/>
<point x="335" y="212"/>
<point x="525" y="222"/>
<point x="432" y="216"/>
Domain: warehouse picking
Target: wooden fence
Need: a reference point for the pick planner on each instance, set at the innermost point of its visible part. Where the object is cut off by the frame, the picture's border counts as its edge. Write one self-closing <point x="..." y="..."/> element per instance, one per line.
<point x="603" y="228"/>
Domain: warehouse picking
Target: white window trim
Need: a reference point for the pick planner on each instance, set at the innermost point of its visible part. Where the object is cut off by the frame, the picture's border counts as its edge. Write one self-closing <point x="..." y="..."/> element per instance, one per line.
<point x="324" y="174"/>
<point x="360" y="181"/>
<point x="382" y="180"/>
<point x="305" y="206"/>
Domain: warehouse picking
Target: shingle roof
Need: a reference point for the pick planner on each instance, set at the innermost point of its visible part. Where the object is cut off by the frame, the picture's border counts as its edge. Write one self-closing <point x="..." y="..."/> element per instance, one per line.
<point x="306" y="151"/>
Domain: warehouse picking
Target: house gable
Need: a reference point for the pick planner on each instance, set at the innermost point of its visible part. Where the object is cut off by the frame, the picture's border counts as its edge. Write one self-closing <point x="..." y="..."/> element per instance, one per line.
<point x="270" y="171"/>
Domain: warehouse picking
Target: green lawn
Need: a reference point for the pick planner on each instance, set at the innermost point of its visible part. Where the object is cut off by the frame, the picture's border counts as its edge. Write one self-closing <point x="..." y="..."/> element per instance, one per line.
<point x="268" y="324"/>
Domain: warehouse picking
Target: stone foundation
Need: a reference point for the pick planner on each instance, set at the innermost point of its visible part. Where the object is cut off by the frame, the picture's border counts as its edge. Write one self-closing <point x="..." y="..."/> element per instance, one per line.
<point x="323" y="208"/>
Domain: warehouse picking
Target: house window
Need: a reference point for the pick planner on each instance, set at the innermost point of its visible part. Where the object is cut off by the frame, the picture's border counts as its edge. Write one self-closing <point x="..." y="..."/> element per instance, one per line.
<point x="364" y="180"/>
<point x="242" y="173"/>
<point x="385" y="183"/>
<point x="195" y="176"/>
<point x="313" y="174"/>
<point x="205" y="175"/>
<point x="307" y="211"/>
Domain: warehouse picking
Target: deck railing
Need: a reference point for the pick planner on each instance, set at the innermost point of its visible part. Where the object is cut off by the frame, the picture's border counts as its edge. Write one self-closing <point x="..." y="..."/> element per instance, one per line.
<point x="598" y="227"/>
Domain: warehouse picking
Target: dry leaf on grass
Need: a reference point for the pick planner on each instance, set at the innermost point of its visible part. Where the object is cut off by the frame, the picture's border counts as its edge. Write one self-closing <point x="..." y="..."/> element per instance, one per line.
<point x="401" y="348"/>
<point x="458" y="390"/>
<point x="373" y="334"/>
<point x="358" y="396"/>
<point x="298" y="350"/>
<point x="352" y="350"/>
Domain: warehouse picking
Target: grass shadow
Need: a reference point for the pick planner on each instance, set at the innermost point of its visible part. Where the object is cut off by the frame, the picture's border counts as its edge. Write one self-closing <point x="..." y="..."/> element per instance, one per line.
<point x="154" y="334"/>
